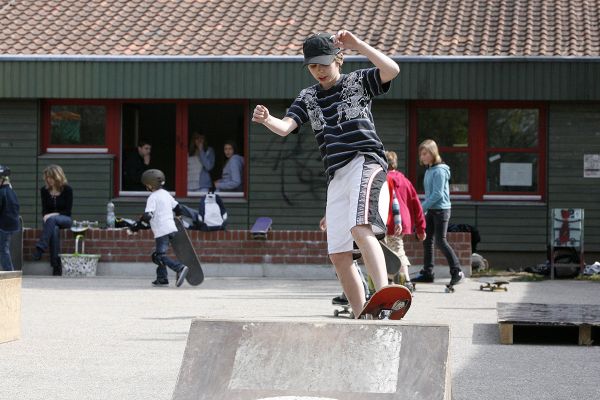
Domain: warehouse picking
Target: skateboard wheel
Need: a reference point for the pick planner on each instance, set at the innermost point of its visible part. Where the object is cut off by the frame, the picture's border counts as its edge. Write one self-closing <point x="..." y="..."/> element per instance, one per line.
<point x="481" y="287"/>
<point x="336" y="313"/>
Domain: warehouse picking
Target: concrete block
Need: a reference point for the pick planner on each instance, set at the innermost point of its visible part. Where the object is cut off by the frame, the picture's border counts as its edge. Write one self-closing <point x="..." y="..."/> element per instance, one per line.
<point x="10" y="306"/>
<point x="339" y="360"/>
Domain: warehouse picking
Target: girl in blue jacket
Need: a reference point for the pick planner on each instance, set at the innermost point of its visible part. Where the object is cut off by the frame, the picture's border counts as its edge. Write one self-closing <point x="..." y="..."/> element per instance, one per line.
<point x="436" y="205"/>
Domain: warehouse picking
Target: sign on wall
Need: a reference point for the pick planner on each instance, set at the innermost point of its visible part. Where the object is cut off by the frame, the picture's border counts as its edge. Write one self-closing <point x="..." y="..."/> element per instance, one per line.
<point x="591" y="165"/>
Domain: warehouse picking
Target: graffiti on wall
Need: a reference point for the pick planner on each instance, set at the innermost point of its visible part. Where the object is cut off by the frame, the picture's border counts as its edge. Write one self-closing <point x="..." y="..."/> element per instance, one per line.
<point x="296" y="159"/>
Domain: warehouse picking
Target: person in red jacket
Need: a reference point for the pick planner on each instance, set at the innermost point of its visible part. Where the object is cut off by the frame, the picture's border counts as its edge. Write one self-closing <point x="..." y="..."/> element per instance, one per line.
<point x="407" y="219"/>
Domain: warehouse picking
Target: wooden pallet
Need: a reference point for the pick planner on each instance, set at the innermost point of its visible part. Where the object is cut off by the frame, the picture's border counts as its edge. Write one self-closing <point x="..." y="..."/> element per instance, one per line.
<point x="582" y="316"/>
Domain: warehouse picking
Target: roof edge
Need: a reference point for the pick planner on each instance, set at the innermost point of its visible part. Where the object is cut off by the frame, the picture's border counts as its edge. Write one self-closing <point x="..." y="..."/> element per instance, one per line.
<point x="267" y="58"/>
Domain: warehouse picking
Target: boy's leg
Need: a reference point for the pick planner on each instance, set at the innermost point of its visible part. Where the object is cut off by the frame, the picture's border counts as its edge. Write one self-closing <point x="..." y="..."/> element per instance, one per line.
<point x="372" y="254"/>
<point x="5" y="260"/>
<point x="349" y="279"/>
<point x="396" y="243"/>
<point x="162" y="244"/>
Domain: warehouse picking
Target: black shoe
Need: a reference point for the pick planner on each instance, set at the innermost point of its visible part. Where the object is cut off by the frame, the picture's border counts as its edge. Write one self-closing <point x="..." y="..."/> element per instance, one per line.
<point x="57" y="271"/>
<point x="456" y="278"/>
<point x="160" y="283"/>
<point x="423" y="277"/>
<point x="181" y="274"/>
<point x="37" y="254"/>
<point x="340" y="300"/>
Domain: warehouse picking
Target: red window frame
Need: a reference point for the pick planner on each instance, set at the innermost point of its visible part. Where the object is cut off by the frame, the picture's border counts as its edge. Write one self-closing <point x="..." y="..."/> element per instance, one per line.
<point x="113" y="134"/>
<point x="478" y="148"/>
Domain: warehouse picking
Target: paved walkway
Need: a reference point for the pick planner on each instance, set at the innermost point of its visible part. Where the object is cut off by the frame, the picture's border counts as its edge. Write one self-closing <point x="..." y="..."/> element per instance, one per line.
<point x="118" y="338"/>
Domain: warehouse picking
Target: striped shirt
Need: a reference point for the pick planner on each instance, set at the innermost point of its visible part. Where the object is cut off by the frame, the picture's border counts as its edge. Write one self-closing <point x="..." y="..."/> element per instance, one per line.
<point x="341" y="118"/>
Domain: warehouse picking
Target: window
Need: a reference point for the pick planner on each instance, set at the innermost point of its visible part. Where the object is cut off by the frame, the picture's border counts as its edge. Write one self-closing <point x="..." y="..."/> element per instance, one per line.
<point x="75" y="127"/>
<point x="117" y="127"/>
<point x="173" y="130"/>
<point x="494" y="150"/>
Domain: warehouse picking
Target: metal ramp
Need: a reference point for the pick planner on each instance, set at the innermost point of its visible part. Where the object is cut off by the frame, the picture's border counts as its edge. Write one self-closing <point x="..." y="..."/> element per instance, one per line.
<point x="341" y="360"/>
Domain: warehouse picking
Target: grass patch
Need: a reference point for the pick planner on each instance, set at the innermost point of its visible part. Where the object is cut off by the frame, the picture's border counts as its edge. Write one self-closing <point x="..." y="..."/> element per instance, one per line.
<point x="593" y="278"/>
<point x="509" y="275"/>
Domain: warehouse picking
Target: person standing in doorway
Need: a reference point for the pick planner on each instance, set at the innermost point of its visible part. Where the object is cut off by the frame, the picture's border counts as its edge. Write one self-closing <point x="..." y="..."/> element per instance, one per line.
<point x="136" y="163"/>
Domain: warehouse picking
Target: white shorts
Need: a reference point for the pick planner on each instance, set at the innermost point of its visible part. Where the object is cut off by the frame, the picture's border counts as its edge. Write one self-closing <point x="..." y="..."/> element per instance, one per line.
<point x="357" y="195"/>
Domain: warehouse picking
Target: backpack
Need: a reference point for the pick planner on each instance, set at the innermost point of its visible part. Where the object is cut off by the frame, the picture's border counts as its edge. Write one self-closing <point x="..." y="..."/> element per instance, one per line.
<point x="212" y="215"/>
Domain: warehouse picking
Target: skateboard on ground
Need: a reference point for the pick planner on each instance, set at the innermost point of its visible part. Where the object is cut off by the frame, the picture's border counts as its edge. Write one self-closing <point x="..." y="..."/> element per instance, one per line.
<point x="185" y="253"/>
<point x="345" y="309"/>
<point x="389" y="302"/>
<point x="493" y="284"/>
<point x="261" y="227"/>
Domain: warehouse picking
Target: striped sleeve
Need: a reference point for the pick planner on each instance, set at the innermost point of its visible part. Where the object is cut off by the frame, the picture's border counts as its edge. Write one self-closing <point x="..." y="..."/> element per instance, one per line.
<point x="297" y="110"/>
<point x="371" y="79"/>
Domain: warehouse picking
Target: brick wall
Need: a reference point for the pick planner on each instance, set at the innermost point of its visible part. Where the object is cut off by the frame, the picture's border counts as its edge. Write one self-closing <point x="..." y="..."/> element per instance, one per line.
<point x="232" y="247"/>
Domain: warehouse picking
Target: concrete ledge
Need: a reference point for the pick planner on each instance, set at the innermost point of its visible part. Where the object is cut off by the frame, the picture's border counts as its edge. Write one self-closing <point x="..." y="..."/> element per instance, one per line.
<point x="10" y="306"/>
<point x="250" y="360"/>
<point x="213" y="270"/>
<point x="283" y="271"/>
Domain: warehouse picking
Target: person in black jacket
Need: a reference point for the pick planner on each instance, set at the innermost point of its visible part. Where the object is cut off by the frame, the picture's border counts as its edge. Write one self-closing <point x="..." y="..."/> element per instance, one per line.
<point x="57" y="202"/>
<point x="9" y="217"/>
<point x="136" y="163"/>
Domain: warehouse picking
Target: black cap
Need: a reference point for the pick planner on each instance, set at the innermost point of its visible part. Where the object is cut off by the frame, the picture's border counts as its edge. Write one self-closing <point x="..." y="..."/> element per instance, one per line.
<point x="4" y="171"/>
<point x="319" y="49"/>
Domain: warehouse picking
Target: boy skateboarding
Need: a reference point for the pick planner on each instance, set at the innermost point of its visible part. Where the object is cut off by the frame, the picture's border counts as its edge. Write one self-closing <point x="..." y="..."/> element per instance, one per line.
<point x="338" y="108"/>
<point x="159" y="213"/>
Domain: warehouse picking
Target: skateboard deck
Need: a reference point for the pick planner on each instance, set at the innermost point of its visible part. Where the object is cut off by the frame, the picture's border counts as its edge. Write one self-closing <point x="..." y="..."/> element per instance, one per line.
<point x="184" y="251"/>
<point x="261" y="227"/>
<point x="391" y="302"/>
<point x="493" y="284"/>
<point x="16" y="247"/>
<point x="392" y="261"/>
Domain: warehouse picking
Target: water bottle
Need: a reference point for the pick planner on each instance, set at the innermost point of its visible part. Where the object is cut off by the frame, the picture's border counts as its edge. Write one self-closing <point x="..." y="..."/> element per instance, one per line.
<point x="110" y="215"/>
<point x="396" y="210"/>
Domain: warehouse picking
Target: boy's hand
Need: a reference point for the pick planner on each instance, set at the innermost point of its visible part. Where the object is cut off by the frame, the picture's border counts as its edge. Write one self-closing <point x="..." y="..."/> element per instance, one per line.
<point x="323" y="224"/>
<point x="261" y="114"/>
<point x="346" y="40"/>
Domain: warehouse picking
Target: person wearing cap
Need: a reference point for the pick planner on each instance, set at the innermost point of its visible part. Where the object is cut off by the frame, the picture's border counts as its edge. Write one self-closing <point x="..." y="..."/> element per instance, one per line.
<point x="9" y="217"/>
<point x="338" y="108"/>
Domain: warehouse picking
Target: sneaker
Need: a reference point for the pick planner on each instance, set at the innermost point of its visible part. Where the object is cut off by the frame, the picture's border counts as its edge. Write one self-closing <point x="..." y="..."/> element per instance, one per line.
<point x="181" y="274"/>
<point x="340" y="300"/>
<point x="160" y="283"/>
<point x="456" y="278"/>
<point x="37" y="254"/>
<point x="409" y="286"/>
<point x="424" y="277"/>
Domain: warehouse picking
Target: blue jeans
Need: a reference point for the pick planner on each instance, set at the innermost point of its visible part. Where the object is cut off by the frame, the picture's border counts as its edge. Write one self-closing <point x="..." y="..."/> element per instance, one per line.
<point x="437" y="225"/>
<point x="5" y="260"/>
<point x="162" y="245"/>
<point x="50" y="236"/>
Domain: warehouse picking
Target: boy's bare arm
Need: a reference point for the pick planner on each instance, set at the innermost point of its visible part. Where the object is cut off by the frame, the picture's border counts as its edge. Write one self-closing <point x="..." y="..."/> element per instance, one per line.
<point x="388" y="68"/>
<point x="282" y="127"/>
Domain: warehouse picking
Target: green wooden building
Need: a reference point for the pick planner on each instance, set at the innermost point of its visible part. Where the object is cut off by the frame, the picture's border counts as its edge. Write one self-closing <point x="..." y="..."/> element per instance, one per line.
<point x="510" y="93"/>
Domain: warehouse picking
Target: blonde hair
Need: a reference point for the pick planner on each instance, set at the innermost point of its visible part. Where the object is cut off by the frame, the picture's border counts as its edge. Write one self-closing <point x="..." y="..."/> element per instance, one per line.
<point x="432" y="149"/>
<point x="57" y="174"/>
<point x="392" y="159"/>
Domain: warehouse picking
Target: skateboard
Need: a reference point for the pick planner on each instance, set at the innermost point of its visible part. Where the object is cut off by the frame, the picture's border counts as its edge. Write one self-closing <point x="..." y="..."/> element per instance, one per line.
<point x="261" y="227"/>
<point x="493" y="284"/>
<point x="184" y="251"/>
<point x="389" y="302"/>
<point x="16" y="247"/>
<point x="392" y="261"/>
<point x="345" y="309"/>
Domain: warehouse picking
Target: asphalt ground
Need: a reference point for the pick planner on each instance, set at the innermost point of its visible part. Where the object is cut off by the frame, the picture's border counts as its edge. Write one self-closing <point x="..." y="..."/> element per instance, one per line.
<point x="120" y="338"/>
